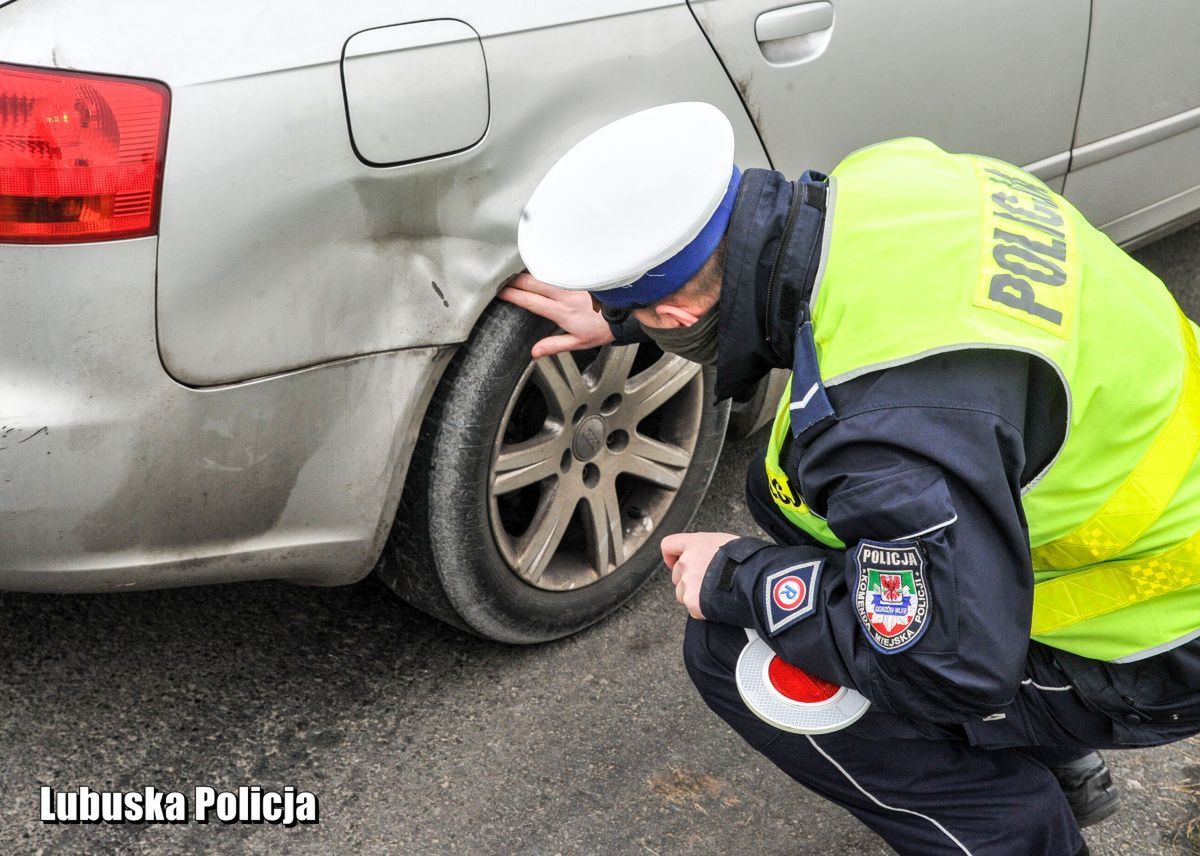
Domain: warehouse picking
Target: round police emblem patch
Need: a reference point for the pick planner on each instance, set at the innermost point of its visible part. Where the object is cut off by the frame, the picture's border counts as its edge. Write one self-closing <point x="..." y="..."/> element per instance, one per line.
<point x="788" y="592"/>
<point x="891" y="595"/>
<point x="789" y="698"/>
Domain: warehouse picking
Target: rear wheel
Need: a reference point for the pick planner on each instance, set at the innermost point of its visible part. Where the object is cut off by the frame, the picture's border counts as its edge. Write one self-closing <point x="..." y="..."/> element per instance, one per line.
<point x="538" y="491"/>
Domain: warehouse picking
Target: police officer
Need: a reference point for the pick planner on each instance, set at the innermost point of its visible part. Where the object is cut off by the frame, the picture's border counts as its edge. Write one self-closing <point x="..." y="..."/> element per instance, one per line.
<point x="982" y="486"/>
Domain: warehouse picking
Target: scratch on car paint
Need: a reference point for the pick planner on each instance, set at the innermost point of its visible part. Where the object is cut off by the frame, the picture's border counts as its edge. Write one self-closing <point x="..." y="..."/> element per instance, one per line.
<point x="445" y="302"/>
<point x="8" y="430"/>
<point x="42" y="430"/>
<point x="745" y="86"/>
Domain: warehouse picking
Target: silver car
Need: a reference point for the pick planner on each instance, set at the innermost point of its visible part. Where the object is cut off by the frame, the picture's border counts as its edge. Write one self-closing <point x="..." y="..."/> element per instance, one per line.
<point x="249" y="252"/>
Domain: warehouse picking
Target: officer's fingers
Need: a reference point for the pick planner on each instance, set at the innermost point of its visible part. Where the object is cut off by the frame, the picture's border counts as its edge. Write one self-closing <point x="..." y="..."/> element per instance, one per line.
<point x="672" y="547"/>
<point x="679" y="591"/>
<point x="552" y="345"/>
<point x="691" y="597"/>
<point x="529" y="282"/>
<point x="677" y="572"/>
<point x="535" y="303"/>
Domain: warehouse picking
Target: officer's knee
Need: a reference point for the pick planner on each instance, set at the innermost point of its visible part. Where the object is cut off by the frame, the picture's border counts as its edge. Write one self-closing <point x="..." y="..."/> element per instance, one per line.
<point x="696" y="657"/>
<point x="710" y="652"/>
<point x="758" y="492"/>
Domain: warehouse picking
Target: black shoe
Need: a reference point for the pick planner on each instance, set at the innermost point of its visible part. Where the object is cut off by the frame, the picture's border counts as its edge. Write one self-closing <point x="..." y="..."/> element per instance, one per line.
<point x="1088" y="787"/>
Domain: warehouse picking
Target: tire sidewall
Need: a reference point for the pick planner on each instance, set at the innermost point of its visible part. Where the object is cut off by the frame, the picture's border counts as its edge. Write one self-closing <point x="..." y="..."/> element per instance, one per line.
<point x="488" y="595"/>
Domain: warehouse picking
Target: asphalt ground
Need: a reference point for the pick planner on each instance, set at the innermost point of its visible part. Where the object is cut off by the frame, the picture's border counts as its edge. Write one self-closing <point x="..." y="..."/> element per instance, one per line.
<point x="418" y="739"/>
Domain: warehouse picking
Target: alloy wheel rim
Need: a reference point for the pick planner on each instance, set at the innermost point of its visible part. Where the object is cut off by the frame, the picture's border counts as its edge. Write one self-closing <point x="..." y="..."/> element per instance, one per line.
<point x="591" y="452"/>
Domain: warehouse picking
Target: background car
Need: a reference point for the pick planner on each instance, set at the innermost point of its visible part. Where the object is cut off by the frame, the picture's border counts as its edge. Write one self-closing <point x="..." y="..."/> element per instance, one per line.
<point x="249" y="253"/>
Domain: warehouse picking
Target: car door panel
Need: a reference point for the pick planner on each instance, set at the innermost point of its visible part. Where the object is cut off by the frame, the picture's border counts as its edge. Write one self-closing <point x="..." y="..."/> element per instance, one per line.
<point x="1142" y="65"/>
<point x="1134" y="166"/>
<point x="824" y="78"/>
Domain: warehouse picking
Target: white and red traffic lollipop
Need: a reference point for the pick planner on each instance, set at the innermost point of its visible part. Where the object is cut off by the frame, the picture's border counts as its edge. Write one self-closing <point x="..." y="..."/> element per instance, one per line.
<point x="789" y="698"/>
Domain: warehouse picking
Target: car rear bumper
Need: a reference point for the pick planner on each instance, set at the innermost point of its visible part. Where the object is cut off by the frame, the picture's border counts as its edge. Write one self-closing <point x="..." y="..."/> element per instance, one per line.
<point x="113" y="475"/>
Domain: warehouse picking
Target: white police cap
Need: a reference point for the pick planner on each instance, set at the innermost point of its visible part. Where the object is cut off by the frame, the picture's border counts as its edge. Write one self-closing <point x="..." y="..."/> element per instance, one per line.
<point x="635" y="197"/>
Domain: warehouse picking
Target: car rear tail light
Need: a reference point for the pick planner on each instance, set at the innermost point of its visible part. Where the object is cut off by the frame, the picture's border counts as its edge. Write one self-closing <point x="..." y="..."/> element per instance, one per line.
<point x="81" y="155"/>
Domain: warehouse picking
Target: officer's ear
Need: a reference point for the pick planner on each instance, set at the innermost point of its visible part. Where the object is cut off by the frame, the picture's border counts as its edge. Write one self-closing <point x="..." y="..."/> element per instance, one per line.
<point x="669" y="314"/>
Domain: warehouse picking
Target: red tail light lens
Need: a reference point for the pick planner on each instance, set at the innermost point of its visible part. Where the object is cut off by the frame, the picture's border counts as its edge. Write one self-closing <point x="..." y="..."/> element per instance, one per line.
<point x="81" y="155"/>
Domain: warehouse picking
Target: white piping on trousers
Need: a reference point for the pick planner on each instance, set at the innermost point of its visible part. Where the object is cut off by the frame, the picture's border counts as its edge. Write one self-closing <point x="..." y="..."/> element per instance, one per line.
<point x="869" y="796"/>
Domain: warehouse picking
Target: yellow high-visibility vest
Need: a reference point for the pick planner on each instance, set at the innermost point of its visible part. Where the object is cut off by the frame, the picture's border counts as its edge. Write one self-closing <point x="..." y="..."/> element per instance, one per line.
<point x="929" y="252"/>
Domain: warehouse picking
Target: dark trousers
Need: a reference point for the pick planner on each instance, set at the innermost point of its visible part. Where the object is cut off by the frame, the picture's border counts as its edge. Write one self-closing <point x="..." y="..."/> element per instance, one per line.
<point x="926" y="788"/>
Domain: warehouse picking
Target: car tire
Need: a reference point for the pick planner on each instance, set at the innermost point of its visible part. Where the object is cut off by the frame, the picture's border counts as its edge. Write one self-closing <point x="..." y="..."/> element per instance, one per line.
<point x="755" y="411"/>
<point x="446" y="551"/>
<point x="744" y="413"/>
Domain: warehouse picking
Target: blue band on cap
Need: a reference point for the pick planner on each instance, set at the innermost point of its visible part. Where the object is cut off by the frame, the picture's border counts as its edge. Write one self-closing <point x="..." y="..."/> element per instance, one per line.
<point x="672" y="274"/>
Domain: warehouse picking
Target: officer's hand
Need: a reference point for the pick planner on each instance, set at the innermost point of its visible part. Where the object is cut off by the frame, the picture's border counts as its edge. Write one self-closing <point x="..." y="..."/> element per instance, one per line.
<point x="571" y="310"/>
<point x="688" y="555"/>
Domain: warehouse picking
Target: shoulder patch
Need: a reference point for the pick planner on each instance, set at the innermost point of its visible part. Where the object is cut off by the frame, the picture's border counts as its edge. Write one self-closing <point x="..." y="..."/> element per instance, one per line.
<point x="791" y="594"/>
<point x="891" y="595"/>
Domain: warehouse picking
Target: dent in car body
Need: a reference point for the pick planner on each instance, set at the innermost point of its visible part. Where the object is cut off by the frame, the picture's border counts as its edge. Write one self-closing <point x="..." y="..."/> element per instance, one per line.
<point x="279" y="248"/>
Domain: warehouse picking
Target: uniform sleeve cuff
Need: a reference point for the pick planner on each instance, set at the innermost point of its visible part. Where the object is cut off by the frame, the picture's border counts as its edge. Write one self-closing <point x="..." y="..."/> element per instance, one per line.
<point x="726" y="594"/>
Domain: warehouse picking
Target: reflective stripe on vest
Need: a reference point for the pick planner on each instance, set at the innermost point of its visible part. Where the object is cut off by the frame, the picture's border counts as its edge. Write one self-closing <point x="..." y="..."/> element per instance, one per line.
<point x="1091" y="592"/>
<point x="1141" y="499"/>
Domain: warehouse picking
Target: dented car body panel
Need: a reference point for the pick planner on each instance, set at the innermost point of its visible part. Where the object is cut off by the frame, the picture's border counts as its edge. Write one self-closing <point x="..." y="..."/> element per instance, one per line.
<point x="238" y="397"/>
